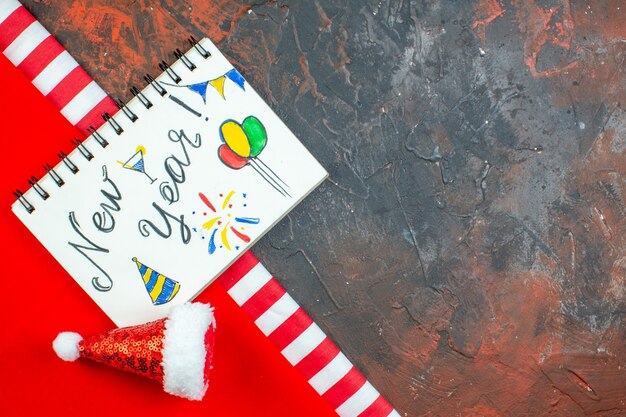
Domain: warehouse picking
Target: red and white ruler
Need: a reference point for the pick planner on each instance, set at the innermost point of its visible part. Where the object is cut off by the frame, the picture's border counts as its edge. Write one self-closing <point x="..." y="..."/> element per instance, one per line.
<point x="57" y="75"/>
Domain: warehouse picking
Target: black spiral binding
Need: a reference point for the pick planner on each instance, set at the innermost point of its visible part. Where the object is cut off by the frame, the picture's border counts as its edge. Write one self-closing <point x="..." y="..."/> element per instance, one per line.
<point x="194" y="43"/>
<point x="98" y="137"/>
<point x="127" y="111"/>
<point x="82" y="149"/>
<point x="53" y="174"/>
<point x="164" y="66"/>
<point x="20" y="197"/>
<point x="110" y="120"/>
<point x="42" y="193"/>
<point x="154" y="83"/>
<point x="68" y="162"/>
<point x="117" y="128"/>
<point x="180" y="55"/>
<point x="141" y="97"/>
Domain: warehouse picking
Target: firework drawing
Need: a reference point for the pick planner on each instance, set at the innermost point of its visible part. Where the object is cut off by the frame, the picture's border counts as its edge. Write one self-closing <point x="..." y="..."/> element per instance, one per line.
<point x="242" y="143"/>
<point x="136" y="163"/>
<point x="223" y="226"/>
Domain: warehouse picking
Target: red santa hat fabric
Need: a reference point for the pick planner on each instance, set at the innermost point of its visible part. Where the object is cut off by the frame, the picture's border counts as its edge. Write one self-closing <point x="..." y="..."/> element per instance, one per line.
<point x="176" y="351"/>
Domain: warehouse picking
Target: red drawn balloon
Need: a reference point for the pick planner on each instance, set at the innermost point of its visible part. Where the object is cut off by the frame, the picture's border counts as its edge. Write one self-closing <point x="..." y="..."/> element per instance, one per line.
<point x="231" y="159"/>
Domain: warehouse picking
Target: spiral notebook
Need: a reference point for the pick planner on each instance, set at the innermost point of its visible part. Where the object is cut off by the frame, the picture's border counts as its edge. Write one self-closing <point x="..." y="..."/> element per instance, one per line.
<point x="161" y="199"/>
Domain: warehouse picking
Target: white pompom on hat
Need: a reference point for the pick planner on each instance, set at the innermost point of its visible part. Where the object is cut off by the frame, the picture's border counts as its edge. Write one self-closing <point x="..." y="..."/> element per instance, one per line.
<point x="66" y="346"/>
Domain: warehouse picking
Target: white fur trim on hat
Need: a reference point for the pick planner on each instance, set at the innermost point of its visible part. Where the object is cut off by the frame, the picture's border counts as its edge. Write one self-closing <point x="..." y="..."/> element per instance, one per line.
<point x="66" y="346"/>
<point x="184" y="351"/>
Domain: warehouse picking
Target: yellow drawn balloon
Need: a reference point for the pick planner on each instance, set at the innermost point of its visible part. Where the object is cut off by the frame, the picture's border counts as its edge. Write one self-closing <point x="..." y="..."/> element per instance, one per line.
<point x="235" y="138"/>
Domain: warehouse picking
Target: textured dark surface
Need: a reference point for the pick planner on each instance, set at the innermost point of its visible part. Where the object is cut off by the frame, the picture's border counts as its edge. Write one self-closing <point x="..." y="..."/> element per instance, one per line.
<point x="468" y="250"/>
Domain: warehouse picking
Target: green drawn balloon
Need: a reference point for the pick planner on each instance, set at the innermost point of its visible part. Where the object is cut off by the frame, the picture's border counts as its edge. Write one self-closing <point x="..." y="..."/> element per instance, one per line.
<point x="257" y="136"/>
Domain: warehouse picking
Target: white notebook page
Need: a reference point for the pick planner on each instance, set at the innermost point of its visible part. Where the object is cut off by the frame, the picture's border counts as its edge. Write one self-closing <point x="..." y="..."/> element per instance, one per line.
<point x="174" y="199"/>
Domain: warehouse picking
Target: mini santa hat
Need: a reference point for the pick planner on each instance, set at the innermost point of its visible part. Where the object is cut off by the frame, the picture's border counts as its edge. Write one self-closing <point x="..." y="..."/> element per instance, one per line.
<point x="176" y="350"/>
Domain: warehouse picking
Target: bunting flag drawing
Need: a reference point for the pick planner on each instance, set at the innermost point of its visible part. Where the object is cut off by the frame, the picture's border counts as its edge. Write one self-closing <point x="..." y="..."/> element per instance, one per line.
<point x="136" y="163"/>
<point x="218" y="84"/>
<point x="160" y="288"/>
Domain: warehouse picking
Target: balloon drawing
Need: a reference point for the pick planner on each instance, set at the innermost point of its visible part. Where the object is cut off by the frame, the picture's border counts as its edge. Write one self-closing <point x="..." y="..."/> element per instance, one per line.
<point x="223" y="221"/>
<point x="242" y="144"/>
<point x="136" y="163"/>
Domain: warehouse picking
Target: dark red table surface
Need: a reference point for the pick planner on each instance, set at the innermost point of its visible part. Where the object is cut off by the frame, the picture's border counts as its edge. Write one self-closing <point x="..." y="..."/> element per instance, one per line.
<point x="468" y="250"/>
